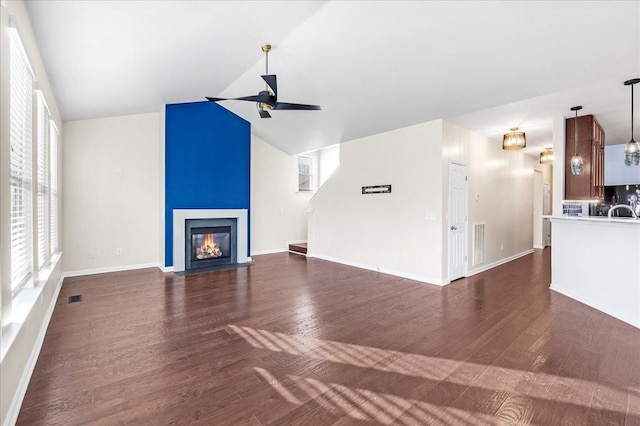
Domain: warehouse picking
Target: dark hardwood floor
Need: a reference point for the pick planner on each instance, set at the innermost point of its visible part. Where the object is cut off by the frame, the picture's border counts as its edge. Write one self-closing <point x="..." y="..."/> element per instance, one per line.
<point x="292" y="340"/>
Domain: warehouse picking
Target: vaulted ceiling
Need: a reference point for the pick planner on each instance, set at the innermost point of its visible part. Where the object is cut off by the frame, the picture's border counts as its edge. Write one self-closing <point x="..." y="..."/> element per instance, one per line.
<point x="373" y="66"/>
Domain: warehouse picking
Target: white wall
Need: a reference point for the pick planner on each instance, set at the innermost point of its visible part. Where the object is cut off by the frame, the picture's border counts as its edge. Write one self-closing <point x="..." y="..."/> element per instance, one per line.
<point x="500" y="194"/>
<point x="111" y="177"/>
<point x="23" y="328"/>
<point x="161" y="184"/>
<point x="278" y="211"/>
<point x="558" y="164"/>
<point x="386" y="232"/>
<point x="390" y="232"/>
<point x="328" y="162"/>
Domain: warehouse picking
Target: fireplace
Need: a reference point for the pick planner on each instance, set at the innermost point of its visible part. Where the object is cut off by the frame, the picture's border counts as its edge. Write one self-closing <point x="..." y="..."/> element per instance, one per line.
<point x="210" y="243"/>
<point x="181" y="236"/>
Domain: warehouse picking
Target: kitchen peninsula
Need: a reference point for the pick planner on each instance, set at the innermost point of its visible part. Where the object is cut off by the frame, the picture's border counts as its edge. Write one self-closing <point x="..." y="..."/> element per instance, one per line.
<point x="597" y="262"/>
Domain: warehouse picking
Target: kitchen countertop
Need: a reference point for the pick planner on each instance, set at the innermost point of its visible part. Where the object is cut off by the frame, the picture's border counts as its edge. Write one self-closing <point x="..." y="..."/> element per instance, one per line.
<point x="599" y="219"/>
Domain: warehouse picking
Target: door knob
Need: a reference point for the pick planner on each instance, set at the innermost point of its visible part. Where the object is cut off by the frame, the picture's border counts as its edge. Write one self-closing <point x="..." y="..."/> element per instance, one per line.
<point x="453" y="228"/>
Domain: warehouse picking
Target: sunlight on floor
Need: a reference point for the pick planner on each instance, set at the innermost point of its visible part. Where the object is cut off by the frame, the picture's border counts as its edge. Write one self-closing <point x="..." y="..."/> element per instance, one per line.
<point x="363" y="404"/>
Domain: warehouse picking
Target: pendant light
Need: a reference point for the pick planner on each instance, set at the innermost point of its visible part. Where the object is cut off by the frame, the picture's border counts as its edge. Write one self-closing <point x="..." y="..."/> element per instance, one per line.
<point x="514" y="140"/>
<point x="546" y="156"/>
<point x="632" y="150"/>
<point x="576" y="161"/>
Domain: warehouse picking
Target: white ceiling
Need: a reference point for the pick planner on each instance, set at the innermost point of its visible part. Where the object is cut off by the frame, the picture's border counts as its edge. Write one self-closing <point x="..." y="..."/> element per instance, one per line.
<point x="373" y="66"/>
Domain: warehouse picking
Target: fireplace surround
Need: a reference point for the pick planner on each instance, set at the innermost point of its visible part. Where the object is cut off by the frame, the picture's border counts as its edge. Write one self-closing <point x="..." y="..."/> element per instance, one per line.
<point x="209" y="218"/>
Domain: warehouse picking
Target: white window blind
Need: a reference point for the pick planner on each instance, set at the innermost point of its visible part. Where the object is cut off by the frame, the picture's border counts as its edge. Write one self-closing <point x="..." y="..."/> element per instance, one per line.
<point x="20" y="112"/>
<point x="43" y="182"/>
<point x="53" y="188"/>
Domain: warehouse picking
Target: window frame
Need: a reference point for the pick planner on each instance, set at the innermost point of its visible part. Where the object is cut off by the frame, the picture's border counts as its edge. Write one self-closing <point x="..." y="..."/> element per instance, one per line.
<point x="42" y="193"/>
<point x="309" y="175"/>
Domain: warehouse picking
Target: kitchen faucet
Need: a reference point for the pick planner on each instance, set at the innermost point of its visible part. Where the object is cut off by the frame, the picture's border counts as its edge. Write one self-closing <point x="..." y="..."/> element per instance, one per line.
<point x="622" y="206"/>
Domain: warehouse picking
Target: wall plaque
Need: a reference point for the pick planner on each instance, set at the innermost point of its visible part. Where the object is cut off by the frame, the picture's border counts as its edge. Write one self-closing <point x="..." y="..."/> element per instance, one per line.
<point x="376" y="189"/>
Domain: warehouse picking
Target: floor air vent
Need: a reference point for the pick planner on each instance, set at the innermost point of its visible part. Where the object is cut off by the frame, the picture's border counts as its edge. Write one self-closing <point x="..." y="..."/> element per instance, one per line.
<point x="76" y="298"/>
<point x="478" y="243"/>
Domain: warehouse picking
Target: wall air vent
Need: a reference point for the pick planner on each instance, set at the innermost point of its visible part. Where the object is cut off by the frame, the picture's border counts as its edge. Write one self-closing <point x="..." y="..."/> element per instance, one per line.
<point x="478" y="243"/>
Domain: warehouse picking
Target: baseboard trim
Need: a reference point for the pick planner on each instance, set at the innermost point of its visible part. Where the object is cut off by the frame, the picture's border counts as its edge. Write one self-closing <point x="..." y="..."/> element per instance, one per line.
<point x="538" y="247"/>
<point x="497" y="263"/>
<point x="18" y="397"/>
<point x="422" y="278"/>
<point x="165" y="269"/>
<point x="83" y="272"/>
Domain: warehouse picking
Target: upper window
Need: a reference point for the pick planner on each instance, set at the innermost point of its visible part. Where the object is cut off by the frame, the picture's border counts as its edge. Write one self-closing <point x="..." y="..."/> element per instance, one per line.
<point x="305" y="174"/>
<point x="20" y="129"/>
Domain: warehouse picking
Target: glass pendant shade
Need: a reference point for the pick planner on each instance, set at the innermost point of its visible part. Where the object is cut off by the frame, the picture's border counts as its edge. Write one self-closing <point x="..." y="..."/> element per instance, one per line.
<point x="632" y="154"/>
<point x="546" y="156"/>
<point x="514" y="140"/>
<point x="632" y="150"/>
<point x="576" y="165"/>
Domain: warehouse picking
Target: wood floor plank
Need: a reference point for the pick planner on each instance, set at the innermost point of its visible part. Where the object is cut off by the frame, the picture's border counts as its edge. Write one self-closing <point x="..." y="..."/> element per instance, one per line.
<point x="296" y="340"/>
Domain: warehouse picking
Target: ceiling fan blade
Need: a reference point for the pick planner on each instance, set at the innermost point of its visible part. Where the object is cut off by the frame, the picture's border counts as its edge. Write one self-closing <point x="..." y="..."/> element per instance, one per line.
<point x="272" y="82"/>
<point x="285" y="105"/>
<point x="264" y="114"/>
<point x="244" y="98"/>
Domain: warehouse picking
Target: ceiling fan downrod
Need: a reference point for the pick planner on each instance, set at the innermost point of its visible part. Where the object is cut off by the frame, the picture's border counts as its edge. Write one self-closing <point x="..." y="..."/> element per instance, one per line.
<point x="266" y="49"/>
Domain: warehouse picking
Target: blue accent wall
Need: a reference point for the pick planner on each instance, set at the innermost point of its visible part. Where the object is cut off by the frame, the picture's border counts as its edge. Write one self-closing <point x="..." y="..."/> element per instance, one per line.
<point x="207" y="162"/>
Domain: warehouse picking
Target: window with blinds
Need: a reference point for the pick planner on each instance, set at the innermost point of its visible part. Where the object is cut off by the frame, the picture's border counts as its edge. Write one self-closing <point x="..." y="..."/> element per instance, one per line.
<point x="20" y="139"/>
<point x="43" y="182"/>
<point x="305" y="174"/>
<point x="53" y="188"/>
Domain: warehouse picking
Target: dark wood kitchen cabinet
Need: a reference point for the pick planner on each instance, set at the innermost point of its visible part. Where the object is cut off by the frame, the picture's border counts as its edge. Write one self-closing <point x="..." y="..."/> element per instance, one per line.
<point x="590" y="184"/>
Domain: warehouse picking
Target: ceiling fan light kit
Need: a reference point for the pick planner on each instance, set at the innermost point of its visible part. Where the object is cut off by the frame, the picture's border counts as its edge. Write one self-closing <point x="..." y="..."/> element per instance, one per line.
<point x="632" y="150"/>
<point x="514" y="140"/>
<point x="267" y="100"/>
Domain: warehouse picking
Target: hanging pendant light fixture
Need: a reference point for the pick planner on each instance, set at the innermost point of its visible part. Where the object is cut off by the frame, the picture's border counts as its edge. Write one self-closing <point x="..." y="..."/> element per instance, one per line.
<point x="514" y="140"/>
<point x="546" y="156"/>
<point x="576" y="161"/>
<point x="632" y="150"/>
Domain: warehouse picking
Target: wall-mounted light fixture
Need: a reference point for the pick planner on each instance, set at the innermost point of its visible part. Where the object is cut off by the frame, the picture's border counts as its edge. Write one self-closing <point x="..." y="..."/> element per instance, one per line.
<point x="514" y="139"/>
<point x="632" y="150"/>
<point x="576" y="161"/>
<point x="546" y="156"/>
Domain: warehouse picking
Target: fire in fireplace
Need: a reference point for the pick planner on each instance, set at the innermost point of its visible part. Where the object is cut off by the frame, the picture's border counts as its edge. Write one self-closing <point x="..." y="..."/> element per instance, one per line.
<point x="209" y="243"/>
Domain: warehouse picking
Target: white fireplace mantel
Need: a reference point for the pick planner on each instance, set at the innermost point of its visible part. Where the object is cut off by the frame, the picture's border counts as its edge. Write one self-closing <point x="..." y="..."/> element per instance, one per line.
<point x="181" y="215"/>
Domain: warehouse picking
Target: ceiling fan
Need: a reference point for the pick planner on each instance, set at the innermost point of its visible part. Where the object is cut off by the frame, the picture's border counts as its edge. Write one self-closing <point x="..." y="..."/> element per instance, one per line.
<point x="268" y="99"/>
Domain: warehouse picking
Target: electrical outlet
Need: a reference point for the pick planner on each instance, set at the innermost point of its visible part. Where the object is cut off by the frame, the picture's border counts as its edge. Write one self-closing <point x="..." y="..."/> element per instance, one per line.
<point x="501" y="247"/>
<point x="118" y="252"/>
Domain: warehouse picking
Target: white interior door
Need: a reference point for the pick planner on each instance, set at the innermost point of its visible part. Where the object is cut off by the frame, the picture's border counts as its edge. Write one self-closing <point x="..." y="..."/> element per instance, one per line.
<point x="546" y="209"/>
<point x="457" y="220"/>
<point x="538" y="207"/>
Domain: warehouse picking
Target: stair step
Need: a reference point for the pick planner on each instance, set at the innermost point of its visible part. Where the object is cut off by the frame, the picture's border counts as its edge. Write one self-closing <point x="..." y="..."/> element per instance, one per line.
<point x="300" y="248"/>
